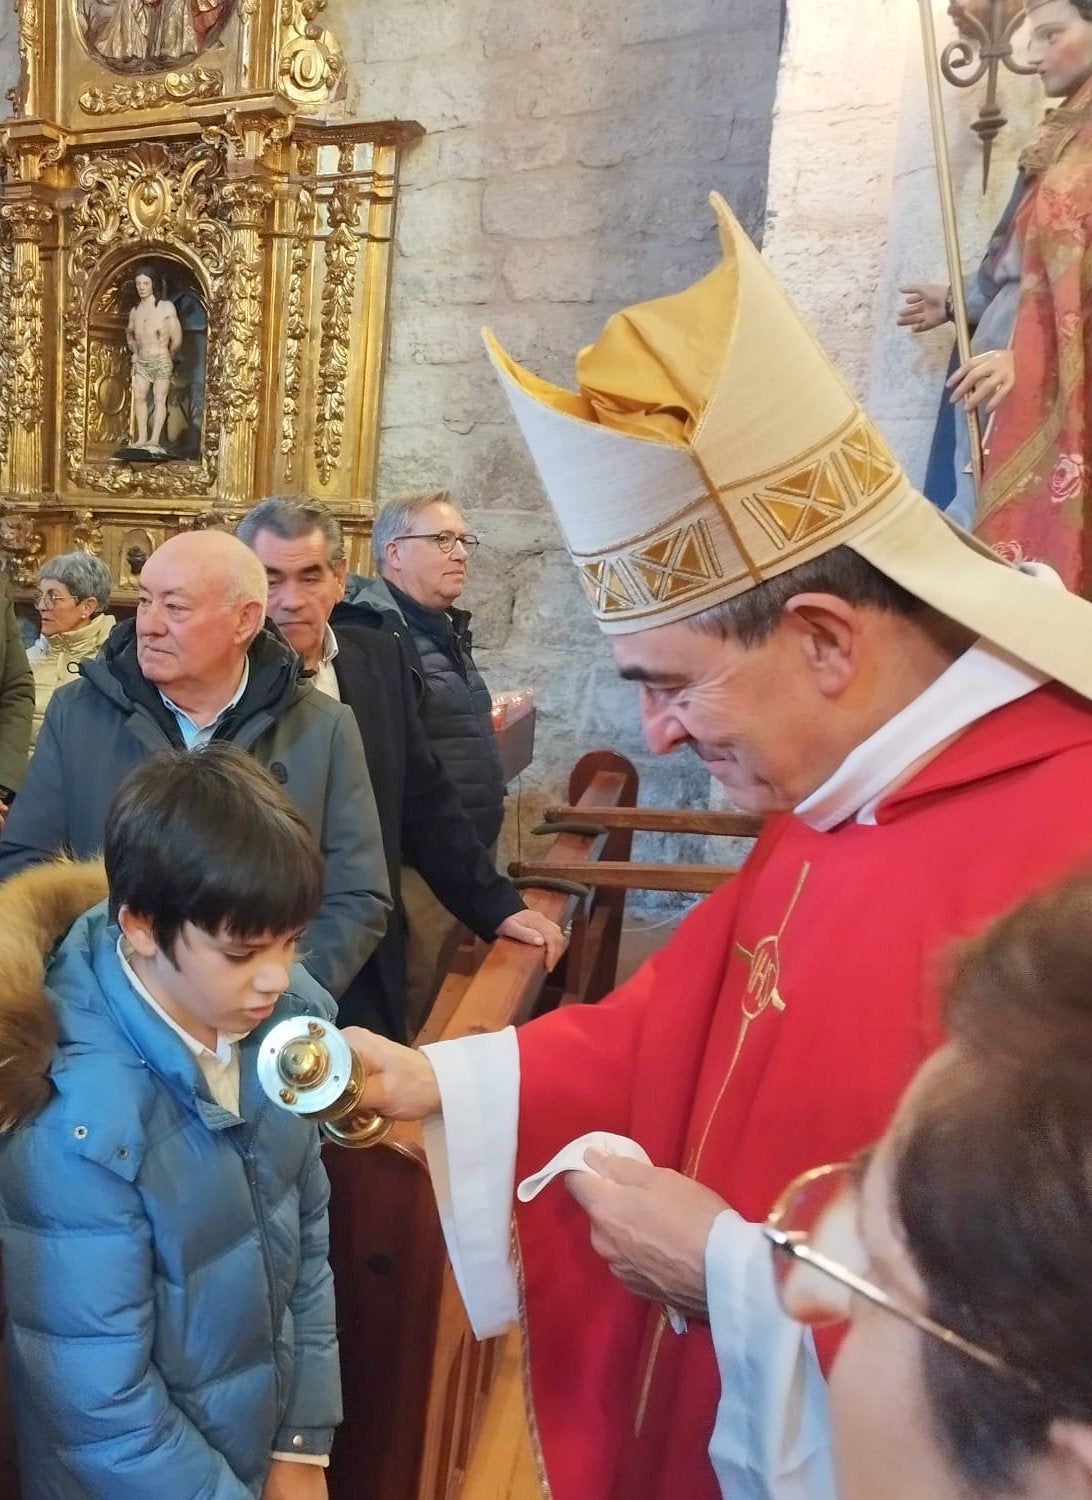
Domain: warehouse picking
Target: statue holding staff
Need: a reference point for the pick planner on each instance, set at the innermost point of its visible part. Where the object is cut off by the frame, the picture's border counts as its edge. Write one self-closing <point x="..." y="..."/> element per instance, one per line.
<point x="1029" y="368"/>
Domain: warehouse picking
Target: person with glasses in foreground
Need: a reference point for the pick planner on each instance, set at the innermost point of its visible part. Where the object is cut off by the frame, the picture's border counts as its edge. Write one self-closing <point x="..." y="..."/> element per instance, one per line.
<point x="958" y="1250"/>
<point x="422" y="548"/>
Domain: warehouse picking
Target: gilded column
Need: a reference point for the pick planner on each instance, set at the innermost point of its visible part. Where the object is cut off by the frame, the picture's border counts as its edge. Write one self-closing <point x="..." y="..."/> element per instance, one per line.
<point x="239" y="338"/>
<point x="27" y="220"/>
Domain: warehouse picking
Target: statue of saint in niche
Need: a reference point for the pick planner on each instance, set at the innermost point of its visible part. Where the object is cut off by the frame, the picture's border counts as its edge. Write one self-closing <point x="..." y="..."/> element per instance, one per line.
<point x="146" y="36"/>
<point x="165" y="337"/>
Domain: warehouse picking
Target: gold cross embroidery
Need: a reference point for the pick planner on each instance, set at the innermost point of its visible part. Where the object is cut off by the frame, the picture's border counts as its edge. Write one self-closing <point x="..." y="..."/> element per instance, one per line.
<point x="761" y="994"/>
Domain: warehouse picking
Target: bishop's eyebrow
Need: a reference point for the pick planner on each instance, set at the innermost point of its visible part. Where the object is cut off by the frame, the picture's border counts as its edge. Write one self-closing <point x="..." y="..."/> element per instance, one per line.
<point x="649" y="676"/>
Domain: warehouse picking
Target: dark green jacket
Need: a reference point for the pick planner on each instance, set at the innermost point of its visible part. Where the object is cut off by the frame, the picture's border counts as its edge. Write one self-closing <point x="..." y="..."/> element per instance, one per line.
<point x="16" y="698"/>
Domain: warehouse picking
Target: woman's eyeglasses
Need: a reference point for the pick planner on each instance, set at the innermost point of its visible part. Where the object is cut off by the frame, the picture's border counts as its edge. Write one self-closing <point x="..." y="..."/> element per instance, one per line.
<point x="819" y="1262"/>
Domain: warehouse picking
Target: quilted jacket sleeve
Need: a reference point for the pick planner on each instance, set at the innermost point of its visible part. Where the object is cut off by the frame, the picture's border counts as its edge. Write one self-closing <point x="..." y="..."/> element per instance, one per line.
<point x="78" y="1287"/>
<point x="314" y="1404"/>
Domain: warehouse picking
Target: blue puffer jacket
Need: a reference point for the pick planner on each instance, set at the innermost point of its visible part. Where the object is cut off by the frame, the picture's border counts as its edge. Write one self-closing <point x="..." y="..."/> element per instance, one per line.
<point x="170" y="1311"/>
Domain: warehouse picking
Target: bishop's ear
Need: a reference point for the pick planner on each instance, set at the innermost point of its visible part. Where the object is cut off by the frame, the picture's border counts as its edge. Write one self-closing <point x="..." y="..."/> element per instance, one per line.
<point x="828" y="632"/>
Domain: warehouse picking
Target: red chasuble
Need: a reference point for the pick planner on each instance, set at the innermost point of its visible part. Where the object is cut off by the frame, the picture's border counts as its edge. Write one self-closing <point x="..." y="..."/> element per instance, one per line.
<point x="774" y="1032"/>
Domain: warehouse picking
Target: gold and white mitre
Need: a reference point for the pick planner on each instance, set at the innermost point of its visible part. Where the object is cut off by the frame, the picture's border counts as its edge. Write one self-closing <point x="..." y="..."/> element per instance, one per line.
<point x="712" y="445"/>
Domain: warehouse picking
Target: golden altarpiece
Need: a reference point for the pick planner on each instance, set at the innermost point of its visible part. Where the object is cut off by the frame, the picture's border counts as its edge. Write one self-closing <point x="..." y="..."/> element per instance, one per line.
<point x="203" y="146"/>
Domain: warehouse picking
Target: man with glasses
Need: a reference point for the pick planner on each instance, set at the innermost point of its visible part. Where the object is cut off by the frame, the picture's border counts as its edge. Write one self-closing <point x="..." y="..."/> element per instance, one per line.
<point x="422" y="549"/>
<point x="911" y="716"/>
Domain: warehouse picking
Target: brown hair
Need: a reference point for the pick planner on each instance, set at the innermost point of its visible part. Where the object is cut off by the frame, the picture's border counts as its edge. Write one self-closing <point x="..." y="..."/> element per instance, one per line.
<point x="993" y="1186"/>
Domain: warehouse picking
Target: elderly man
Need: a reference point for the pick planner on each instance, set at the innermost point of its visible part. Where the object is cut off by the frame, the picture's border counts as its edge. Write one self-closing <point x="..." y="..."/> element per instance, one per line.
<point x="422" y="550"/>
<point x="360" y="662"/>
<point x="911" y="716"/>
<point x="197" y="665"/>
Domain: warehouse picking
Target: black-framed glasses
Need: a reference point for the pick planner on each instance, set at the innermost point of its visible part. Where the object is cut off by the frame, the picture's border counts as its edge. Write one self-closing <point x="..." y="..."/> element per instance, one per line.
<point x="445" y="540"/>
<point x="819" y="1262"/>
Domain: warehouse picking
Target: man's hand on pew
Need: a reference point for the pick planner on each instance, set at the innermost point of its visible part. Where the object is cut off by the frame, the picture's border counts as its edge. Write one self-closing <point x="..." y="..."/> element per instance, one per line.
<point x="532" y="927"/>
<point x="400" y="1082"/>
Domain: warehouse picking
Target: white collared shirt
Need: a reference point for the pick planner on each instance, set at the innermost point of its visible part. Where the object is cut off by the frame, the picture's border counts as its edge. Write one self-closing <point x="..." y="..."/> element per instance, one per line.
<point x="194" y="738"/>
<point x="983" y="679"/>
<point x="325" y="678"/>
<point x="219" y="1066"/>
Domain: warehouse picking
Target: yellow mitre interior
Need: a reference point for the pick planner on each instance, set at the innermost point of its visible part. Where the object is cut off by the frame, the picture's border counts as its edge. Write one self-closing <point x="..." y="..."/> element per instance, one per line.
<point x="653" y="369"/>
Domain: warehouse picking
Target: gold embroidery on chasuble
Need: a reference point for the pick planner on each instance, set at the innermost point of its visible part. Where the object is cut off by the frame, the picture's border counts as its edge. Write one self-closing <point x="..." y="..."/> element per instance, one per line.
<point x="761" y="993"/>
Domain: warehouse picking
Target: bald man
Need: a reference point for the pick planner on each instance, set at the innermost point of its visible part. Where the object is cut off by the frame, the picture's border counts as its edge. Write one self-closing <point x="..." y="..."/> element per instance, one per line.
<point x="196" y="665"/>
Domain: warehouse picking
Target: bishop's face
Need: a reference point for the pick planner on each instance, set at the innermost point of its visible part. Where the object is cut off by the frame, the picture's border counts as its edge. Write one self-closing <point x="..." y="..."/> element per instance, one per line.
<point x="1060" y="46"/>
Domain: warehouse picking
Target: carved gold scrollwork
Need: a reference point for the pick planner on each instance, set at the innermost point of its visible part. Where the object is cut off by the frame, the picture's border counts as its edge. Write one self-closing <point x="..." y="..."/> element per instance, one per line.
<point x="7" y="352"/>
<point x="87" y="532"/>
<point x="23" y="545"/>
<point x="28" y="221"/>
<point x="338" y="294"/>
<point x="311" y="64"/>
<point x="238" y="360"/>
<point x="154" y="93"/>
<point x="296" y="323"/>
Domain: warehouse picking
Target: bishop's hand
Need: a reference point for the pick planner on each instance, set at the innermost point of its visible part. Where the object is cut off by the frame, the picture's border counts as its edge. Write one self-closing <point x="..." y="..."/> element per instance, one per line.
<point x="401" y="1084"/>
<point x="651" y="1226"/>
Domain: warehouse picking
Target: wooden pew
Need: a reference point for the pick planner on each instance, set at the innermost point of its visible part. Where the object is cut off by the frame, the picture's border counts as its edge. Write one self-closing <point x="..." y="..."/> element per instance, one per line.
<point x="415" y="1380"/>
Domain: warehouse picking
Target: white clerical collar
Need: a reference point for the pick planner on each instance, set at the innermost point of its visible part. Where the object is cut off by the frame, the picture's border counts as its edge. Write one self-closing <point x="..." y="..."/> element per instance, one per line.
<point x="981" y="680"/>
<point x="225" y="1041"/>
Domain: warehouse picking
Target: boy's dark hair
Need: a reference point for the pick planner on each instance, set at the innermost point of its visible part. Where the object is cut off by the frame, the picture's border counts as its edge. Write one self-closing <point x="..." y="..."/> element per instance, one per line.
<point x="208" y="837"/>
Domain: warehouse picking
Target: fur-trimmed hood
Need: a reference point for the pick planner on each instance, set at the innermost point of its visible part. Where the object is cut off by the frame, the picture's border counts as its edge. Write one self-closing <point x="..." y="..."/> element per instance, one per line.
<point x="37" y="908"/>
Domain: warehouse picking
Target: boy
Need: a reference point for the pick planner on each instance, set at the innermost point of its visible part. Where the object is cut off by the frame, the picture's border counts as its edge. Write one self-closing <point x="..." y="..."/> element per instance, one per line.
<point x="170" y="1317"/>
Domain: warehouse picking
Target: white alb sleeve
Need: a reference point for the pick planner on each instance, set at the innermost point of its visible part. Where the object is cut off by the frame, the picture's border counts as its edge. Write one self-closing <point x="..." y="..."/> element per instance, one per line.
<point x="772" y="1436"/>
<point x="471" y="1149"/>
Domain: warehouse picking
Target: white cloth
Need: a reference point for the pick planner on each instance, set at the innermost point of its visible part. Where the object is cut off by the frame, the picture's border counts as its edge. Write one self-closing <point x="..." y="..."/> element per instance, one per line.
<point x="325" y="678"/>
<point x="981" y="680"/>
<point x="771" y="1437"/>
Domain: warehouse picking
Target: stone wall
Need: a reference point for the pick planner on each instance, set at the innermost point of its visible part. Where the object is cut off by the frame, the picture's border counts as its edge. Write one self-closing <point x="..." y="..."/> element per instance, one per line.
<point x="570" y="149"/>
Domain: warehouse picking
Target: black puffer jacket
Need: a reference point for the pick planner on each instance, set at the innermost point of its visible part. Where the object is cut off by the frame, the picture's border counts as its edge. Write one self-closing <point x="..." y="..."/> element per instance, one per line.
<point x="457" y="709"/>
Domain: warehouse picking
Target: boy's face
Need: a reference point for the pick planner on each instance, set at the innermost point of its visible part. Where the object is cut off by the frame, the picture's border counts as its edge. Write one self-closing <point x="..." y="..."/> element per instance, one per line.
<point x="217" y="982"/>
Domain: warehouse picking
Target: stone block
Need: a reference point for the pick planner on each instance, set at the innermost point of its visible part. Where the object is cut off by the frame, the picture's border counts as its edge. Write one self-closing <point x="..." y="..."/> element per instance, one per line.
<point x="473" y="396"/>
<point x="617" y="139"/>
<point x="449" y="276"/>
<point x="412" y="458"/>
<point x="442" y="94"/>
<point x="652" y="20"/>
<point x="435" y="335"/>
<point x="512" y="146"/>
<point x="414" y="395"/>
<point x="491" y="468"/>
<point x="443" y="217"/>
<point x="558" y="204"/>
<point x="406" y="32"/>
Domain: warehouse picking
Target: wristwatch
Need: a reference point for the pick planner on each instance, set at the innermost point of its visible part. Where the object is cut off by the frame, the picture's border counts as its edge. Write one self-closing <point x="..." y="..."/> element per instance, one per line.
<point x="949" y="307"/>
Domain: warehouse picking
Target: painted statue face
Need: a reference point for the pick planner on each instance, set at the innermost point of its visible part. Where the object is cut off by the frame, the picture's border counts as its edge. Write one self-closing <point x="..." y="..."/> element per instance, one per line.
<point x="303" y="588"/>
<point x="418" y="567"/>
<point x="144" y="287"/>
<point x="1060" y="47"/>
